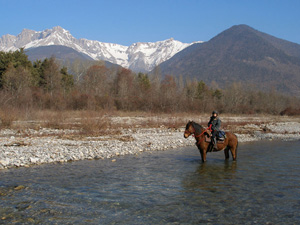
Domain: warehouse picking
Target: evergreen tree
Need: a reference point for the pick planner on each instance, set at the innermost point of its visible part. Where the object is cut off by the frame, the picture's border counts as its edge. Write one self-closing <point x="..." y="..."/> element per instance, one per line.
<point x="67" y="80"/>
<point x="15" y="59"/>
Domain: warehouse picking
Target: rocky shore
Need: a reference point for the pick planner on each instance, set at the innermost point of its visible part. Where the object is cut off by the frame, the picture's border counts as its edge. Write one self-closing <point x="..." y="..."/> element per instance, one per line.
<point x="32" y="147"/>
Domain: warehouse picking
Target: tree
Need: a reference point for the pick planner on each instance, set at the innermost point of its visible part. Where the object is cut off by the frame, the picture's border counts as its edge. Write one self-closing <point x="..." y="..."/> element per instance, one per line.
<point x="144" y="81"/>
<point x="67" y="80"/>
<point x="79" y="68"/>
<point x="51" y="77"/>
<point x="217" y="94"/>
<point x="124" y="89"/>
<point x="13" y="59"/>
<point x="142" y="93"/>
<point x="168" y="93"/>
<point x="235" y="98"/>
<point x="202" y="90"/>
<point x="15" y="80"/>
<point x="95" y="85"/>
<point x="37" y="73"/>
<point x="94" y="80"/>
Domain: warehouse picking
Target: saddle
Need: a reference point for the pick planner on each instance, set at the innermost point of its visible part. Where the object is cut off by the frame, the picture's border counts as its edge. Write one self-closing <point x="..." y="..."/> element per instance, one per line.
<point x="220" y="137"/>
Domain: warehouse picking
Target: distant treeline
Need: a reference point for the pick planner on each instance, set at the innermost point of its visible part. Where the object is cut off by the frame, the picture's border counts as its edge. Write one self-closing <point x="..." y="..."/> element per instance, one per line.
<point x="92" y="86"/>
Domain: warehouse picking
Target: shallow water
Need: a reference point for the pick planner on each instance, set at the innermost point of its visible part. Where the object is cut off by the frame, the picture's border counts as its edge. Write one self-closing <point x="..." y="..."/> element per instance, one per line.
<point x="169" y="187"/>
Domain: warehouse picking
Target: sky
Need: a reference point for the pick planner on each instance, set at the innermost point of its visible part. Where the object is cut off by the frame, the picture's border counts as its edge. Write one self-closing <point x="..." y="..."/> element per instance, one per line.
<point x="129" y="21"/>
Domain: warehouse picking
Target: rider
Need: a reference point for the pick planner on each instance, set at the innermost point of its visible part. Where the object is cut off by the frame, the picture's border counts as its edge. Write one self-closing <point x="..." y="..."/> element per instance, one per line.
<point x="215" y="124"/>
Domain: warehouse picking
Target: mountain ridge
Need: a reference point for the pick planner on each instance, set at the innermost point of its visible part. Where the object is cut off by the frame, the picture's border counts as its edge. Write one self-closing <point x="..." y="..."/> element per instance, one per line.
<point x="240" y="54"/>
<point x="140" y="56"/>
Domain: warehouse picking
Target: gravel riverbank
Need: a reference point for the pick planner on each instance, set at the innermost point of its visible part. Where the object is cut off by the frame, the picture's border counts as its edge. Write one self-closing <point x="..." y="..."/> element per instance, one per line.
<point x="30" y="147"/>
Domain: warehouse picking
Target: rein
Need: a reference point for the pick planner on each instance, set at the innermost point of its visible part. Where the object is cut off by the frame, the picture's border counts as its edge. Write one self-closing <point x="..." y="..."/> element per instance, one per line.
<point x="202" y="132"/>
<point x="209" y="128"/>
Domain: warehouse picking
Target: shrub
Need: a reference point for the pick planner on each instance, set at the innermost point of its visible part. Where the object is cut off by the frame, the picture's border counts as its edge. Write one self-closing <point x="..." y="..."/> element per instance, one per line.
<point x="290" y="111"/>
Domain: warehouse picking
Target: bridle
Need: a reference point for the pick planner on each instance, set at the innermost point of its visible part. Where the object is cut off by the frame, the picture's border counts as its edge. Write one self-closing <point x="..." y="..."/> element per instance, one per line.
<point x="194" y="132"/>
<point x="188" y="132"/>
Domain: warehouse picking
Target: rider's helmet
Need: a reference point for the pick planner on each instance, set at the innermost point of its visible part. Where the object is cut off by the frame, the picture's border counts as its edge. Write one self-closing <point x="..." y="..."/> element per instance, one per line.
<point x="215" y="112"/>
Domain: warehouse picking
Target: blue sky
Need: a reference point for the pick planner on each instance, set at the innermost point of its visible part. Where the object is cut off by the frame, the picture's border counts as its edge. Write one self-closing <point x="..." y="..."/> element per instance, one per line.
<point x="129" y="21"/>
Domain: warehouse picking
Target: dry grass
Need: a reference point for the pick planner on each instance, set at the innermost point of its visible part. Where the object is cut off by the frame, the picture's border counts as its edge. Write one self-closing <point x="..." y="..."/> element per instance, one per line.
<point x="8" y="116"/>
<point x="111" y="123"/>
<point x="93" y="123"/>
<point x="88" y="122"/>
<point x="6" y="119"/>
<point x="166" y="122"/>
<point x="53" y="119"/>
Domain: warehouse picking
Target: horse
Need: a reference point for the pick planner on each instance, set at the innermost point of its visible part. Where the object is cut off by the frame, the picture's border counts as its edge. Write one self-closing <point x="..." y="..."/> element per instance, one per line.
<point x="199" y="132"/>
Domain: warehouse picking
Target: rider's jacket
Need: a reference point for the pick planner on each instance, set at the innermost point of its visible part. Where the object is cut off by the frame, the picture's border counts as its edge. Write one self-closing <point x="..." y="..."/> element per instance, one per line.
<point x="215" y="123"/>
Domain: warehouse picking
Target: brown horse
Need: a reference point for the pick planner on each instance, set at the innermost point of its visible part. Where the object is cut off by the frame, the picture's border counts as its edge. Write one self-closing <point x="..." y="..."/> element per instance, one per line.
<point x="230" y="142"/>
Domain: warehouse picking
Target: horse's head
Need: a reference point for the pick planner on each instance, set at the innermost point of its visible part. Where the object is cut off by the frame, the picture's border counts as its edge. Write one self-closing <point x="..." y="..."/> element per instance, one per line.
<point x="189" y="129"/>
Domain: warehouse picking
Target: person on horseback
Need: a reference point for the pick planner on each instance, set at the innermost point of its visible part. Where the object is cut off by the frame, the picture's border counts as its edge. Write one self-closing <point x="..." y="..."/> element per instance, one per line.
<point x="215" y="125"/>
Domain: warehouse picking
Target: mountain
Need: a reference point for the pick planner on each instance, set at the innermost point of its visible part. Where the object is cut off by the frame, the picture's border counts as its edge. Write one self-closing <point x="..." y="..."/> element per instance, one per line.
<point x="58" y="51"/>
<point x="241" y="54"/>
<point x="141" y="56"/>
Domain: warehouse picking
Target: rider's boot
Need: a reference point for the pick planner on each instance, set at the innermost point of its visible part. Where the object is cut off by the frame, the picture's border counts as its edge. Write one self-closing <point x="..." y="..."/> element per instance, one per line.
<point x="215" y="143"/>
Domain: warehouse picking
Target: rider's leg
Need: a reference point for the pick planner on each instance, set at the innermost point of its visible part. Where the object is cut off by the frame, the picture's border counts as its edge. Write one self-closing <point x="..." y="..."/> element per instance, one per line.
<point x="214" y="138"/>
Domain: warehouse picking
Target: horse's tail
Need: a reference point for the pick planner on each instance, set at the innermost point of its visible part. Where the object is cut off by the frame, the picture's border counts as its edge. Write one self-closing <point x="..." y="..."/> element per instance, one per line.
<point x="237" y="144"/>
<point x="237" y="141"/>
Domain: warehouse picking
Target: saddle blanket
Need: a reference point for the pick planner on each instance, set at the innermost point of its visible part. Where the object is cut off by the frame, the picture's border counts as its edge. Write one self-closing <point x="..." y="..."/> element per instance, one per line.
<point x="221" y="135"/>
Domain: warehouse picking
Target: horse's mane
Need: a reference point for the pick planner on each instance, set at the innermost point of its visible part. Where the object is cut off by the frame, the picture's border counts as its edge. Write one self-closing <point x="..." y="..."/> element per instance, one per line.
<point x="198" y="127"/>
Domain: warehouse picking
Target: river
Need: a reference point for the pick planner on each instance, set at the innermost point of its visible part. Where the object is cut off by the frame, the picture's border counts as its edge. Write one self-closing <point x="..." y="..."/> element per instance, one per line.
<point x="165" y="187"/>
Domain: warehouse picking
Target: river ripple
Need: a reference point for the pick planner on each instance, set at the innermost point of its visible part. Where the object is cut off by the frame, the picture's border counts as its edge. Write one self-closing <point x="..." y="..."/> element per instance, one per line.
<point x="168" y="187"/>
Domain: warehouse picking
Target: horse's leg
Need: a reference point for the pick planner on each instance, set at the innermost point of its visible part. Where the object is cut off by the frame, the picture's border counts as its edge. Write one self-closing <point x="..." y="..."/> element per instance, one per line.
<point x="233" y="145"/>
<point x="233" y="152"/>
<point x="203" y="154"/>
<point x="226" y="152"/>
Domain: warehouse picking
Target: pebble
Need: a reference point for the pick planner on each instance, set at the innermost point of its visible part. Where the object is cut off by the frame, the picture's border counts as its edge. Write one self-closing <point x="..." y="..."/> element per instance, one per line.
<point x="20" y="187"/>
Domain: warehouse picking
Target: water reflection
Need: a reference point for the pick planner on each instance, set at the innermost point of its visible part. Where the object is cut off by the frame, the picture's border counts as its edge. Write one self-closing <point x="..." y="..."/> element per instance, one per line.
<point x="210" y="176"/>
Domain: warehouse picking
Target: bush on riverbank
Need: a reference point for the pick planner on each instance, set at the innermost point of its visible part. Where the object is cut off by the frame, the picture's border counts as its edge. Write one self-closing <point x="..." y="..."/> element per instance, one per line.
<point x="290" y="111"/>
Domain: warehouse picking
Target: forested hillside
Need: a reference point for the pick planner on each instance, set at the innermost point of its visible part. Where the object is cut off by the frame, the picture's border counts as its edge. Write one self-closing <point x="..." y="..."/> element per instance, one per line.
<point x="45" y="85"/>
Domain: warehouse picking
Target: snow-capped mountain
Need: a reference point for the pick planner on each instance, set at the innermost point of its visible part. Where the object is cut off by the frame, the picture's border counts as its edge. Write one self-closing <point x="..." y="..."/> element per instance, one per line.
<point x="141" y="56"/>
